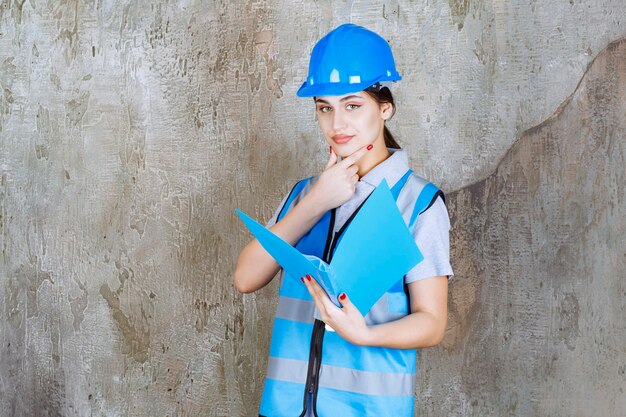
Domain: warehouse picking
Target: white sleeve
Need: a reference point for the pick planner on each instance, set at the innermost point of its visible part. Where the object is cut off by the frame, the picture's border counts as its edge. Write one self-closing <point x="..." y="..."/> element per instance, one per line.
<point x="432" y="235"/>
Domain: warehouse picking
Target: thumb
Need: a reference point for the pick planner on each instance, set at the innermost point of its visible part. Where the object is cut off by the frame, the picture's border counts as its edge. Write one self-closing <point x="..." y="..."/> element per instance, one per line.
<point x="332" y="160"/>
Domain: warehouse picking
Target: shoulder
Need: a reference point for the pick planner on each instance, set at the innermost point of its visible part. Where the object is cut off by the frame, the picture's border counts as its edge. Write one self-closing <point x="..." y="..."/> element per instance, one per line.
<point x="416" y="180"/>
<point x="299" y="190"/>
<point x="293" y="196"/>
<point x="303" y="186"/>
<point x="436" y="212"/>
<point x="426" y="193"/>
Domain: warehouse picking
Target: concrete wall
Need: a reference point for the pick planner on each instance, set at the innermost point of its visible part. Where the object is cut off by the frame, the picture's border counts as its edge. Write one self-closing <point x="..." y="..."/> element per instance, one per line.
<point x="537" y="313"/>
<point x="131" y="130"/>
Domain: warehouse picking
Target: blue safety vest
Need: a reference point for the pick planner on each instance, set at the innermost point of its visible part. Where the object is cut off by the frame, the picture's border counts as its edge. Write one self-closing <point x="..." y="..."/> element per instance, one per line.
<point x="340" y="378"/>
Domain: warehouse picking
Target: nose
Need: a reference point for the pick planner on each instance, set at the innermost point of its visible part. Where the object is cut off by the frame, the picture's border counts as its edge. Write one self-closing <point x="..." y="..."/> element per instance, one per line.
<point x="339" y="121"/>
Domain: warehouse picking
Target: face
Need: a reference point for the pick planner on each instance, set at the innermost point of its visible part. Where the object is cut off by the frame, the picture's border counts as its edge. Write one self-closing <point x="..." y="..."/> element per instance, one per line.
<point x="352" y="121"/>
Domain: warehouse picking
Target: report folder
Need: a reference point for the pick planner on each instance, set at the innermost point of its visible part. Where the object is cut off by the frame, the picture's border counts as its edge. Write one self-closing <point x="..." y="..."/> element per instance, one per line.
<point x="374" y="252"/>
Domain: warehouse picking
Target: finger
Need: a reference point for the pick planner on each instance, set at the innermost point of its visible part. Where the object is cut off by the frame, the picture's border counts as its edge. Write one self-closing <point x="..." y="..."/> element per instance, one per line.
<point x="353" y="169"/>
<point x="316" y="288"/>
<point x="345" y="301"/>
<point x="322" y="296"/>
<point x="355" y="178"/>
<point x="350" y="160"/>
<point x="317" y="300"/>
<point x="332" y="159"/>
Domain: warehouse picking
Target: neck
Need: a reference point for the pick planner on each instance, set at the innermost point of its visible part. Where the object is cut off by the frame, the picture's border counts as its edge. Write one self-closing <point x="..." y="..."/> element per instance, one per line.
<point x="374" y="157"/>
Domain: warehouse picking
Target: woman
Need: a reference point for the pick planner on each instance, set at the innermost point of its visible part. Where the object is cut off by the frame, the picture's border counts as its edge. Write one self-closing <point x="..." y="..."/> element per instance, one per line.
<point x="347" y="364"/>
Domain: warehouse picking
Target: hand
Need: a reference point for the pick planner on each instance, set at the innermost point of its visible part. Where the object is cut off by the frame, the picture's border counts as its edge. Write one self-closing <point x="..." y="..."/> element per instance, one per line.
<point x="347" y="321"/>
<point x="337" y="183"/>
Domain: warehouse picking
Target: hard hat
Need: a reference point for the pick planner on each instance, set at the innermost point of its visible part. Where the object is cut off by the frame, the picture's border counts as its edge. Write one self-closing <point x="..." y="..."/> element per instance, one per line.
<point x="348" y="59"/>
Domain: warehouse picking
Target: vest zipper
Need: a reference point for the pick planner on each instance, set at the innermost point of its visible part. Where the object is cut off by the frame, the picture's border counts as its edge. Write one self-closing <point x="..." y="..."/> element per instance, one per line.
<point x="319" y="328"/>
<point x="317" y="337"/>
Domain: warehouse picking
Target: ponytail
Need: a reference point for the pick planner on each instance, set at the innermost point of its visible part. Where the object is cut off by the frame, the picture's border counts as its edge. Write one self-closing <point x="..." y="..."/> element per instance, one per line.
<point x="390" y="141"/>
<point x="383" y="95"/>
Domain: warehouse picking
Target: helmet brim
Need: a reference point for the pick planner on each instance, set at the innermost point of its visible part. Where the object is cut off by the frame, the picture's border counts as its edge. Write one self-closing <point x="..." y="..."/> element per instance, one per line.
<point x="338" y="89"/>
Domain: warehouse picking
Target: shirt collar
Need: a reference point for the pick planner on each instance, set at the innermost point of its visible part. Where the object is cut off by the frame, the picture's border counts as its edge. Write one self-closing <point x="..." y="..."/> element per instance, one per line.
<point x="391" y="169"/>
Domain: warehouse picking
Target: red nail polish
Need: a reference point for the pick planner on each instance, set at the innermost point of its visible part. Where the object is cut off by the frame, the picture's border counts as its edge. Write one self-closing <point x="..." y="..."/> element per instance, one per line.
<point x="331" y="149"/>
<point x="342" y="296"/>
<point x="302" y="279"/>
<point x="309" y="277"/>
<point x="369" y="147"/>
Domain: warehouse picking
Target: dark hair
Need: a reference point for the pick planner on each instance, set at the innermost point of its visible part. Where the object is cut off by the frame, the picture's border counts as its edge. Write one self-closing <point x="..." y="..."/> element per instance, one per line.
<point x="383" y="95"/>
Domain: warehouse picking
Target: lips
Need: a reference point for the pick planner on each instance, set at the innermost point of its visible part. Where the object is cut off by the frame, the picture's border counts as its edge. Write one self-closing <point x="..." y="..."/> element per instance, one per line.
<point x="341" y="139"/>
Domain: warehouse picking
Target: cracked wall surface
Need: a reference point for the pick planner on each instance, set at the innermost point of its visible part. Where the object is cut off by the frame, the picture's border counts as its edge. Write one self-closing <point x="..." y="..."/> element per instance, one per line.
<point x="536" y="318"/>
<point x="129" y="132"/>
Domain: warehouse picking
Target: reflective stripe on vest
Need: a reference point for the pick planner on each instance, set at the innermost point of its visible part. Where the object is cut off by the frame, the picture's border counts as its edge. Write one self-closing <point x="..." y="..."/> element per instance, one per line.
<point x="369" y="383"/>
<point x="353" y="380"/>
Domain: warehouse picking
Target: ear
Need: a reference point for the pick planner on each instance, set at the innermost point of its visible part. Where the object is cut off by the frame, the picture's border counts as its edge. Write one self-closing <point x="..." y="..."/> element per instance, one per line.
<point x="386" y="110"/>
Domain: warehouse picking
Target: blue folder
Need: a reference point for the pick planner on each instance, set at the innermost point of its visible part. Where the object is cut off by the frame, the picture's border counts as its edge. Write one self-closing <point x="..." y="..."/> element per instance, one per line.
<point x="374" y="252"/>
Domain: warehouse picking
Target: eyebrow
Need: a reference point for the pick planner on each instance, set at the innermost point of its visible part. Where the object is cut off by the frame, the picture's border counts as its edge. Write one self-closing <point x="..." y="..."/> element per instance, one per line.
<point x="319" y="100"/>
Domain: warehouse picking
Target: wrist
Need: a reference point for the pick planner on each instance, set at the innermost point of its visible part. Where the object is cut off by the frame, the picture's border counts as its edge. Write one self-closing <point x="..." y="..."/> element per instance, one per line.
<point x="366" y="337"/>
<point x="370" y="336"/>
<point x="314" y="204"/>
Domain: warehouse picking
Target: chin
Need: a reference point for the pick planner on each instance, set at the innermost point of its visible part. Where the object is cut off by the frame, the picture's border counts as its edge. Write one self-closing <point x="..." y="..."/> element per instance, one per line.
<point x="346" y="149"/>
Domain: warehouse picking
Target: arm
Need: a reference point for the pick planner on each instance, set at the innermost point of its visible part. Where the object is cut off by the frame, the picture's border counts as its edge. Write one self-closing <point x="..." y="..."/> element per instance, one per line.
<point x="426" y="324"/>
<point x="336" y="185"/>
<point x="424" y="327"/>
<point x="255" y="267"/>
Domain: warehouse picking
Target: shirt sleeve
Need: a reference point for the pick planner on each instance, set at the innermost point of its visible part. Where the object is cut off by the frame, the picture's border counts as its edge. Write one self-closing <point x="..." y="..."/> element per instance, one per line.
<point x="272" y="221"/>
<point x="432" y="235"/>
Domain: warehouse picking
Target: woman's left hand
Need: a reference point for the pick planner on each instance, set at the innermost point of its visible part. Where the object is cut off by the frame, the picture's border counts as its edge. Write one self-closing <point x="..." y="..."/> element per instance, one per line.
<point x="347" y="321"/>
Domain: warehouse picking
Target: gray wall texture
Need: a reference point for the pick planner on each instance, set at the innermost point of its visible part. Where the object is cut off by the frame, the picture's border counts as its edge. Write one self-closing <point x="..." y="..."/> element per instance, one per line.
<point x="131" y="130"/>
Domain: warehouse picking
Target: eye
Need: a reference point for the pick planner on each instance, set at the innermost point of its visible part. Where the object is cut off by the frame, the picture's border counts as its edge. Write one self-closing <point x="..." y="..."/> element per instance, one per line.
<point x="323" y="109"/>
<point x="352" y="106"/>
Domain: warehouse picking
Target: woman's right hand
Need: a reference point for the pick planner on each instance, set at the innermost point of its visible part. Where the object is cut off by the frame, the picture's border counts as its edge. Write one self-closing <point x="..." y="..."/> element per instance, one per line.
<point x="255" y="267"/>
<point x="337" y="183"/>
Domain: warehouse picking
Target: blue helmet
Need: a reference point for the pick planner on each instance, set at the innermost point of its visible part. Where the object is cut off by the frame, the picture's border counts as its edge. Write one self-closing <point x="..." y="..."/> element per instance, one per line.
<point x="348" y="59"/>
